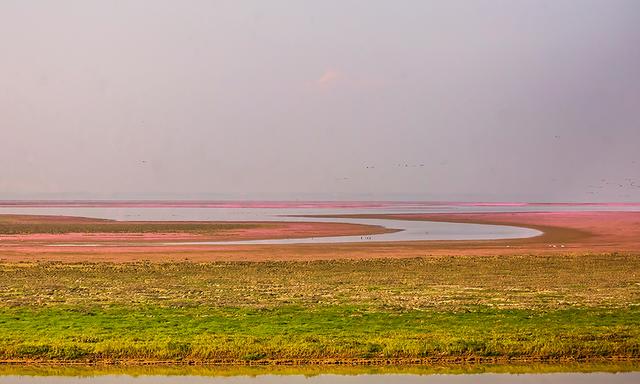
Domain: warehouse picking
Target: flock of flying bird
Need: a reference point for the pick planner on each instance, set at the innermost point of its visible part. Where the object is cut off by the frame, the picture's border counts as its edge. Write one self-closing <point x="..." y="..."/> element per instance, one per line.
<point x="399" y="165"/>
<point x="627" y="184"/>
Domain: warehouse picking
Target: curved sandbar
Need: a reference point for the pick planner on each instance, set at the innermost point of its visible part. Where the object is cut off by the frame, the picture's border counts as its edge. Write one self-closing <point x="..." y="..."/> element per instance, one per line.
<point x="578" y="231"/>
<point x="564" y="233"/>
<point x="403" y="230"/>
<point x="273" y="229"/>
<point x="57" y="230"/>
<point x="85" y="232"/>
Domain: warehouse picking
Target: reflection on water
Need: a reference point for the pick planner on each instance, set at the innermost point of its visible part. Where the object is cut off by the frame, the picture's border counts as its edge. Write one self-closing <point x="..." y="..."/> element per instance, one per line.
<point x="565" y="378"/>
<point x="620" y="372"/>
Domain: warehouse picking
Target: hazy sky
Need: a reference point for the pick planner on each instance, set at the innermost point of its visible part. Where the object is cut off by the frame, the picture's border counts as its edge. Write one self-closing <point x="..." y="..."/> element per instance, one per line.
<point x="455" y="100"/>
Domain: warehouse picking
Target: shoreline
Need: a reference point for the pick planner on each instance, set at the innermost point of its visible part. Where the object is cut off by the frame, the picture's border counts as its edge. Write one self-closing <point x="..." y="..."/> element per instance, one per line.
<point x="315" y="370"/>
<point x="198" y="203"/>
<point x="330" y="362"/>
<point x="48" y="230"/>
<point x="564" y="233"/>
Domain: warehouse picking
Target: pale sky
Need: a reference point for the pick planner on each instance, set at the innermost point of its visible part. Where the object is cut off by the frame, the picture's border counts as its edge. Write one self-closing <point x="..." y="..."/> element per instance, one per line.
<point x="490" y="100"/>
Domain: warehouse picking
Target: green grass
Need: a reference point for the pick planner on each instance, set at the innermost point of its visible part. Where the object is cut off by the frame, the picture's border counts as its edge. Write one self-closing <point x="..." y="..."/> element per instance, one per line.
<point x="294" y="332"/>
<point x="516" y="307"/>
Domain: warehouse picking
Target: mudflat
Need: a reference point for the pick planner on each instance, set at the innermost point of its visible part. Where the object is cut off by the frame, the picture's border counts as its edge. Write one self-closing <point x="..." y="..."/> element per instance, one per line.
<point x="563" y="233"/>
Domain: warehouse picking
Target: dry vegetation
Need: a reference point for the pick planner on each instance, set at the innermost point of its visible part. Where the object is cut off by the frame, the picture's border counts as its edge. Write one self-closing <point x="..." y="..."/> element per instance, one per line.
<point x="441" y="283"/>
<point x="32" y="224"/>
<point x="431" y="309"/>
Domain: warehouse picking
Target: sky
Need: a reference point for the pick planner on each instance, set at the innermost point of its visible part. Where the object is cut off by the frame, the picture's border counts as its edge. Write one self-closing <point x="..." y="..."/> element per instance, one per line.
<point x="492" y="100"/>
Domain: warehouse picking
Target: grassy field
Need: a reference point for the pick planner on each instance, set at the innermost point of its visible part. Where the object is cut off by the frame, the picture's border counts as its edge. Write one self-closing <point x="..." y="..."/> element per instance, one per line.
<point x="439" y="308"/>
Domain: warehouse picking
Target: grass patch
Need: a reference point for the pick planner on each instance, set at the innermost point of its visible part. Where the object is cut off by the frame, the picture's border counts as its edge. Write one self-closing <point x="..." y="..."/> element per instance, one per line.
<point x="293" y="332"/>
<point x="442" y="283"/>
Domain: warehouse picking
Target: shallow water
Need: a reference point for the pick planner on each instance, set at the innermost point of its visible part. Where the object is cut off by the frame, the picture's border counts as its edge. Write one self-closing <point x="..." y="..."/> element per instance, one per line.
<point x="291" y="211"/>
<point x="407" y="230"/>
<point x="550" y="378"/>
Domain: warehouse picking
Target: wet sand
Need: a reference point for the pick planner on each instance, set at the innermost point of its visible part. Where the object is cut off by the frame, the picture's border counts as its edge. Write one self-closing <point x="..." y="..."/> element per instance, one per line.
<point x="256" y="230"/>
<point x="564" y="233"/>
